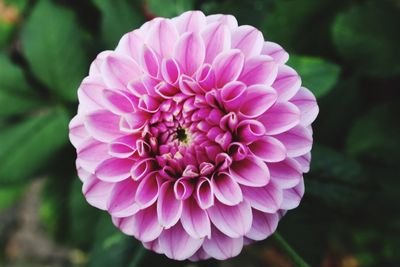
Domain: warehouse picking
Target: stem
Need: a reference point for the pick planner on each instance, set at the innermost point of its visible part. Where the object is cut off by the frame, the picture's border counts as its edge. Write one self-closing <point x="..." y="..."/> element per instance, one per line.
<point x="289" y="251"/>
<point x="140" y="252"/>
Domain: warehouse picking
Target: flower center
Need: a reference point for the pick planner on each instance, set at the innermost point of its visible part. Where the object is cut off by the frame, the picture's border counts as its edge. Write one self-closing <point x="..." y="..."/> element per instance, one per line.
<point x="182" y="136"/>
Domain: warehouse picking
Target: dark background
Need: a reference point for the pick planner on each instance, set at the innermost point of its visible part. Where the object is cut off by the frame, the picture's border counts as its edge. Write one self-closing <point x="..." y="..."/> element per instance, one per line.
<point x="348" y="54"/>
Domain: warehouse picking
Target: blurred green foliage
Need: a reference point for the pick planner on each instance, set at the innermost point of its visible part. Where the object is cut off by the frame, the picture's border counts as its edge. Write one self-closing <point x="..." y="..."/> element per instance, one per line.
<point x="347" y="52"/>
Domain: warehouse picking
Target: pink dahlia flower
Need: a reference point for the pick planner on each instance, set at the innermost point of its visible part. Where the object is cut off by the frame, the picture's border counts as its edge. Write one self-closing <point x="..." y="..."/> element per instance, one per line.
<point x="193" y="135"/>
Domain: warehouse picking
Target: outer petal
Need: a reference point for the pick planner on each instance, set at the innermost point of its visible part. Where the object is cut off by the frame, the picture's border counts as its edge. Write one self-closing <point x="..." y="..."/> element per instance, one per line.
<point x="122" y="199"/>
<point x="280" y="117"/>
<point x="189" y="52"/>
<point x="148" y="190"/>
<point x="307" y="104"/>
<point x="114" y="169"/>
<point x="292" y="196"/>
<point x="118" y="70"/>
<point x="298" y="141"/>
<point x="276" y="52"/>
<point x="287" y="83"/>
<point x="91" y="153"/>
<point x="248" y="39"/>
<point x="195" y="220"/>
<point x="143" y="225"/>
<point x="169" y="209"/>
<point x="264" y="224"/>
<point x="131" y="44"/>
<point x="103" y="125"/>
<point x="286" y="173"/>
<point x="222" y="247"/>
<point x="250" y="172"/>
<point x="77" y="131"/>
<point x="190" y="21"/>
<point x="162" y="37"/>
<point x="97" y="192"/>
<point x="267" y="199"/>
<point x="233" y="221"/>
<point x="177" y="244"/>
<point x="217" y="39"/>
<point x="227" y="20"/>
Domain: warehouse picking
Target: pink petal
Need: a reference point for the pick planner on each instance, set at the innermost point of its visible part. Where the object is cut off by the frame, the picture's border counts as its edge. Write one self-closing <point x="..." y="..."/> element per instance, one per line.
<point x="143" y="225"/>
<point x="259" y="70"/>
<point x="134" y="122"/>
<point x="206" y="77"/>
<point x="91" y="153"/>
<point x="251" y="172"/>
<point x="183" y="188"/>
<point x="121" y="202"/>
<point x="275" y="51"/>
<point x="190" y="21"/>
<point x="304" y="161"/>
<point x="285" y="174"/>
<point x="77" y="131"/>
<point x="228" y="66"/>
<point x="114" y="169"/>
<point x="148" y="190"/>
<point x="259" y="98"/>
<point x="170" y="71"/>
<point x="148" y="104"/>
<point x="123" y="147"/>
<point x="95" y="67"/>
<point x="199" y="255"/>
<point x="161" y="37"/>
<point x="177" y="244"/>
<point x="306" y="102"/>
<point x="292" y="196"/>
<point x="97" y="192"/>
<point x="169" y="209"/>
<point x="267" y="199"/>
<point x="217" y="39"/>
<point x="195" y="220"/>
<point x="118" y="102"/>
<point x="227" y="20"/>
<point x="248" y="39"/>
<point x="149" y="61"/>
<point x="226" y="190"/>
<point x="189" y="52"/>
<point x="287" y="83"/>
<point x="233" y="221"/>
<point x="222" y="247"/>
<point x="118" y="70"/>
<point x="264" y="225"/>
<point x="298" y="141"/>
<point x="90" y="94"/>
<point x="142" y="168"/>
<point x="268" y="149"/>
<point x="250" y="130"/>
<point x="280" y="117"/>
<point x="204" y="193"/>
<point x="233" y="94"/>
<point x="103" y="125"/>
<point x="131" y="44"/>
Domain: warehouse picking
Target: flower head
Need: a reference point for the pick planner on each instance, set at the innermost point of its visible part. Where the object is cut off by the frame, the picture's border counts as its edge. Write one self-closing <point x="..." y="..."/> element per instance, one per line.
<point x="194" y="135"/>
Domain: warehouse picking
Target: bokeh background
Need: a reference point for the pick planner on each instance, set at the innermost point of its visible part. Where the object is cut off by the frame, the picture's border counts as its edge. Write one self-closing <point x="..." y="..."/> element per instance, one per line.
<point x="346" y="51"/>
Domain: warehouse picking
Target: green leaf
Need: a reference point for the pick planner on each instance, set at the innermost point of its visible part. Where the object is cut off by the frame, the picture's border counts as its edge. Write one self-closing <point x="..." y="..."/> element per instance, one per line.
<point x="118" y="17"/>
<point x="82" y="218"/>
<point x="111" y="247"/>
<point x="15" y="97"/>
<point x="317" y="74"/>
<point x="27" y="146"/>
<point x="54" y="45"/>
<point x="10" y="194"/>
<point x="366" y="36"/>
<point x="376" y="135"/>
<point x="169" y="8"/>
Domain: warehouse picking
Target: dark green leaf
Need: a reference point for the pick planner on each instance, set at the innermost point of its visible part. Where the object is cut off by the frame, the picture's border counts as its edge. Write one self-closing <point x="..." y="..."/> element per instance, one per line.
<point x="317" y="74"/>
<point x="54" y="45"/>
<point x="169" y="8"/>
<point x="82" y="217"/>
<point x="118" y="17"/>
<point x="366" y="35"/>
<point x="15" y="97"/>
<point x="376" y="135"/>
<point x="26" y="147"/>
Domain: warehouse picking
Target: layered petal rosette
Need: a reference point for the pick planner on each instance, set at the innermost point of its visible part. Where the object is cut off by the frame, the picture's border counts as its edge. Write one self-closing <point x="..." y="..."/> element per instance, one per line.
<point x="194" y="135"/>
